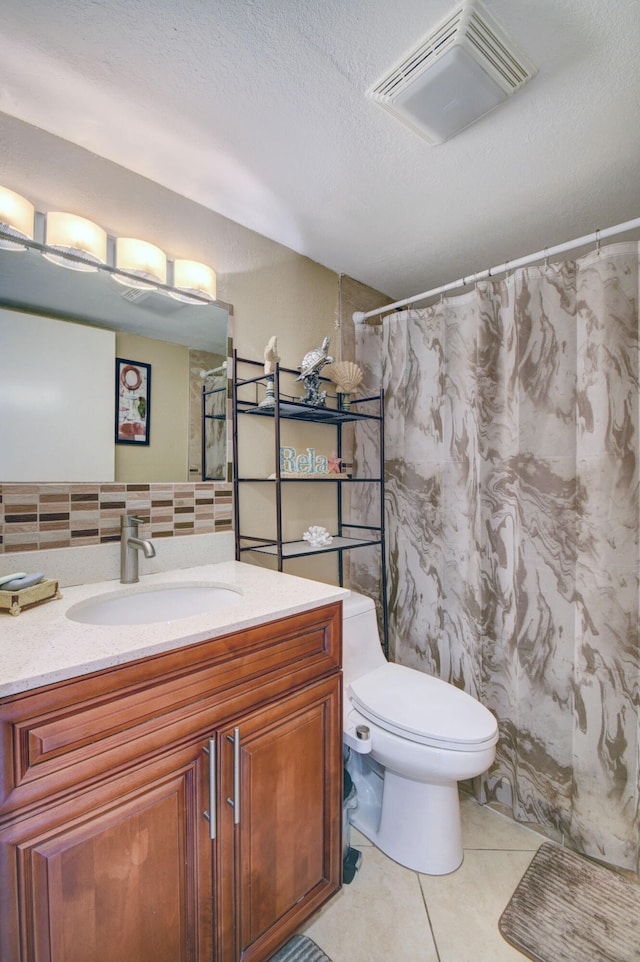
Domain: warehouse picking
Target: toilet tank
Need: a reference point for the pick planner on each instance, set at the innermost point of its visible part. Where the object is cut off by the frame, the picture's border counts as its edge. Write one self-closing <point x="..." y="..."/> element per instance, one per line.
<point x="361" y="649"/>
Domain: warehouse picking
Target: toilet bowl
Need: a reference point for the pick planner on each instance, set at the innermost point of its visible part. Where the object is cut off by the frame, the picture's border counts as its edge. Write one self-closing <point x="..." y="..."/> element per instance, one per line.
<point x="412" y="738"/>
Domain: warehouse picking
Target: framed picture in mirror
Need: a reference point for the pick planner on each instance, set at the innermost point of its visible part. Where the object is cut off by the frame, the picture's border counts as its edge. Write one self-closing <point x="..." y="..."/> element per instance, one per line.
<point x="133" y="401"/>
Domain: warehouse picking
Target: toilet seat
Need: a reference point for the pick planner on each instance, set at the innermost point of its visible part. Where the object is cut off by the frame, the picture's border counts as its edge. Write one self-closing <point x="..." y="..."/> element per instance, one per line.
<point x="423" y="709"/>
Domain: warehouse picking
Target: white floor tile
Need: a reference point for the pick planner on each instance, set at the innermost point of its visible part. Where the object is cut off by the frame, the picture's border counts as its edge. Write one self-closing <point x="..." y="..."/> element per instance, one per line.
<point x="389" y="913"/>
<point x="483" y="828"/>
<point x="379" y="917"/>
<point x="357" y="839"/>
<point x="464" y="907"/>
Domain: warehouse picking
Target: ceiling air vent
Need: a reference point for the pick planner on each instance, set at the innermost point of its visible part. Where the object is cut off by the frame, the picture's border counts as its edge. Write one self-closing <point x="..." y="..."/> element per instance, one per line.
<point x="465" y="68"/>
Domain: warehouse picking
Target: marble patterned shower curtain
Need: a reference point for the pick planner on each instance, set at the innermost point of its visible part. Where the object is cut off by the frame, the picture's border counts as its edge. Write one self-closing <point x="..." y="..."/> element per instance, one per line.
<point x="513" y="515"/>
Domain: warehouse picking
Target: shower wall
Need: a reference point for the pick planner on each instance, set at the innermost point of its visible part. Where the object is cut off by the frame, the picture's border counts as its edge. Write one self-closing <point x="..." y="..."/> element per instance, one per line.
<point x="513" y="516"/>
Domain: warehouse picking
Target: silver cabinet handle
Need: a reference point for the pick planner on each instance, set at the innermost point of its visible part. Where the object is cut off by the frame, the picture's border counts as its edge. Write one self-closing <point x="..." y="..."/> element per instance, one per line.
<point x="211" y="814"/>
<point x="235" y="801"/>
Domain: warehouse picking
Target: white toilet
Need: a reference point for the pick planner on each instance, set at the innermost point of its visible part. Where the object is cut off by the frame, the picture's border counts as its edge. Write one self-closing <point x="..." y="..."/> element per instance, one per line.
<point x="412" y="738"/>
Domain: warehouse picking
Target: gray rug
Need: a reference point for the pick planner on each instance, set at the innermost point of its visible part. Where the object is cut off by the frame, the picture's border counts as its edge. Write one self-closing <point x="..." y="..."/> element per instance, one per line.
<point x="568" y="909"/>
<point x="300" y="949"/>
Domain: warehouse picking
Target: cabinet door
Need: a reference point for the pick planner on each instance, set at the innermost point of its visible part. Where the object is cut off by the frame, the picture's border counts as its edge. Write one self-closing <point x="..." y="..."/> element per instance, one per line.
<point x="121" y="873"/>
<point x="279" y="851"/>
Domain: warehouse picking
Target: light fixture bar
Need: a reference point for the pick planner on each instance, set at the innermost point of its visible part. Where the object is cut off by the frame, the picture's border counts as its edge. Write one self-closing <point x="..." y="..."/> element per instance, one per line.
<point x="6" y="236"/>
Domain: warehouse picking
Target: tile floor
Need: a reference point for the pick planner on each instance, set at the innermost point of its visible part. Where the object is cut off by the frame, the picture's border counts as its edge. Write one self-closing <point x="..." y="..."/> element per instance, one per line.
<point x="391" y="914"/>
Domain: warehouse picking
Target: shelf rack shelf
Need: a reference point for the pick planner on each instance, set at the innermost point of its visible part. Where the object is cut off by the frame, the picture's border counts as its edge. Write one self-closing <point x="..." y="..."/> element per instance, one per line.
<point x="247" y="394"/>
<point x="296" y="411"/>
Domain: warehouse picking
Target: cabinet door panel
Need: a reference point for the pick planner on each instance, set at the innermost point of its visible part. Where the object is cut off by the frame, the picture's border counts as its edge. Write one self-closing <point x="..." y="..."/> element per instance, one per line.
<point x="282" y="787"/>
<point x="104" y="879"/>
<point x="287" y="842"/>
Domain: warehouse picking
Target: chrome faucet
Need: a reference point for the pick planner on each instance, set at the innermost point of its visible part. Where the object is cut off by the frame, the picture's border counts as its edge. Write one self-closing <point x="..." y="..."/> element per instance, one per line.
<point x="130" y="545"/>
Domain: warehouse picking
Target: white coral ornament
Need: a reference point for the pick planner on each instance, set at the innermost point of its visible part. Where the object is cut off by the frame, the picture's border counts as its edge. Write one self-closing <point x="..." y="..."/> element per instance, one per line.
<point x="317" y="536"/>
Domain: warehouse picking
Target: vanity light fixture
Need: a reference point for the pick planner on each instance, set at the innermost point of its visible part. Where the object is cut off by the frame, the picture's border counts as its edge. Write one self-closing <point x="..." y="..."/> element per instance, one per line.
<point x="70" y="234"/>
<point x="79" y="244"/>
<point x="145" y="261"/>
<point x="192" y="277"/>
<point x="16" y="218"/>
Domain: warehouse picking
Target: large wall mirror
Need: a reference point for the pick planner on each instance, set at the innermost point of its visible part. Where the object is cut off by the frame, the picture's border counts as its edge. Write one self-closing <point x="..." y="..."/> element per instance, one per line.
<point x="60" y="334"/>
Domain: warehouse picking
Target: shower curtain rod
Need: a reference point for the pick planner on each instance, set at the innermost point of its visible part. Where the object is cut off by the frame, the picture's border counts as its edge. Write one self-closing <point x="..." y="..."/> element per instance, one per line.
<point x="359" y="317"/>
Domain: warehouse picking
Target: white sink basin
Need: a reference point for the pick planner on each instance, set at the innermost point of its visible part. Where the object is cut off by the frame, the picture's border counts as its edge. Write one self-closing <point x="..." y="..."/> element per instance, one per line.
<point x="161" y="603"/>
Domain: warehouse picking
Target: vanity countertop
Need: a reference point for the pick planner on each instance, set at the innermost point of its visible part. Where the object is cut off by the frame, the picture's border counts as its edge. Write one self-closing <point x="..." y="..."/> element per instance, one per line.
<point x="41" y="646"/>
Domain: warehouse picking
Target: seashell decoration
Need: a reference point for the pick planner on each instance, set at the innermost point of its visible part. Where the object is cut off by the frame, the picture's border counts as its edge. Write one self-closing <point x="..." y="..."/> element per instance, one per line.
<point x="345" y="374"/>
<point x="347" y="377"/>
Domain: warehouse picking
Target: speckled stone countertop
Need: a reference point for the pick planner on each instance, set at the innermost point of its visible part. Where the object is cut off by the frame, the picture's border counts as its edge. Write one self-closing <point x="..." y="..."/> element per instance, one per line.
<point x="41" y="645"/>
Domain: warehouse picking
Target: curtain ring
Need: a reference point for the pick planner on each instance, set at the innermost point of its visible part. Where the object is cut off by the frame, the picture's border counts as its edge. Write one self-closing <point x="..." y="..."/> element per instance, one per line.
<point x="598" y="242"/>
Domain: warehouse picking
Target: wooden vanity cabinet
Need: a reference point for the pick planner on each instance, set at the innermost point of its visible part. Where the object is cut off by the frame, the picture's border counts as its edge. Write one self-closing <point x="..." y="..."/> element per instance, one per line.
<point x="181" y="808"/>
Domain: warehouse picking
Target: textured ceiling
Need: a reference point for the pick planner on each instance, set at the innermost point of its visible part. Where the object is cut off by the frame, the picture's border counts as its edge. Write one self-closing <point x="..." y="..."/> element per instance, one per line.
<point x="257" y="110"/>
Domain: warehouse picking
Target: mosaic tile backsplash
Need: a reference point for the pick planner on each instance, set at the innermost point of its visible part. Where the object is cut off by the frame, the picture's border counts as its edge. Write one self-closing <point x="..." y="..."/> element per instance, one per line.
<point x="38" y="516"/>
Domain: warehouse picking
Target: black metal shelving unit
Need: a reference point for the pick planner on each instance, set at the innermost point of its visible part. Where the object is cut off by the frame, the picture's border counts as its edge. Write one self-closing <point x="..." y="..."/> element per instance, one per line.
<point x="348" y="535"/>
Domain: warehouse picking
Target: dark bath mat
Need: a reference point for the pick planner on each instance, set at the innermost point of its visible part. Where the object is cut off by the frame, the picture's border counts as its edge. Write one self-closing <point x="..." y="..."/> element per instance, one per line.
<point x="300" y="949"/>
<point x="568" y="909"/>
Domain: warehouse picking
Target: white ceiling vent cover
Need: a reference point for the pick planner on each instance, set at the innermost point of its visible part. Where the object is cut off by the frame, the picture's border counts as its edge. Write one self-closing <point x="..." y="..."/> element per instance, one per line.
<point x="465" y="68"/>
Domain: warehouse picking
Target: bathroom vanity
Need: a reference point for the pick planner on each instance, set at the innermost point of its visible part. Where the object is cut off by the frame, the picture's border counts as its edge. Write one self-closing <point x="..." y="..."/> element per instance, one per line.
<point x="176" y="805"/>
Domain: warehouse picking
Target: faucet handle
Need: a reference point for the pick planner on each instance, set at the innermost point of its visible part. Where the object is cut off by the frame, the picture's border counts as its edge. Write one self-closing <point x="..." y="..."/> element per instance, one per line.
<point x="128" y="519"/>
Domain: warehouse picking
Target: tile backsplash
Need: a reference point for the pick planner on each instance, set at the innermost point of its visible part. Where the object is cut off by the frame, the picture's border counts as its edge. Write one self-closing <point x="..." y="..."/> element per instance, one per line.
<point x="39" y="516"/>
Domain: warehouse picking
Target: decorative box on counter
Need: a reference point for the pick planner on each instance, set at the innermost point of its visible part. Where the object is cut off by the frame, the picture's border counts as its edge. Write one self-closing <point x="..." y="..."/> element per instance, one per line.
<point x="14" y="602"/>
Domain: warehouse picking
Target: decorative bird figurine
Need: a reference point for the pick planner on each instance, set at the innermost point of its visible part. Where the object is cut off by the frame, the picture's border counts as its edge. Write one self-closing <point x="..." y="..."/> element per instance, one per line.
<point x="271" y="356"/>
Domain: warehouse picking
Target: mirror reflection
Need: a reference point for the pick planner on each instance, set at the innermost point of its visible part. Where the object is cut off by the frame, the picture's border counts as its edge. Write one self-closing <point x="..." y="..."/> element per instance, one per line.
<point x="60" y="334"/>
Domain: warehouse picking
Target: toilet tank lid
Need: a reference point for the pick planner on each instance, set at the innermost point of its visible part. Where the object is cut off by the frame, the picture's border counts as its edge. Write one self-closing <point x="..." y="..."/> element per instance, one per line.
<point x="356" y="604"/>
<point x="408" y="701"/>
